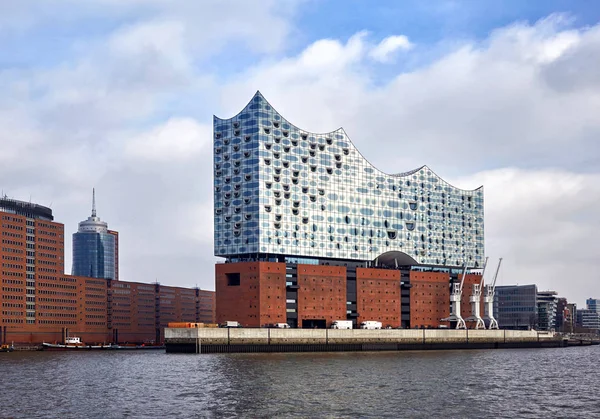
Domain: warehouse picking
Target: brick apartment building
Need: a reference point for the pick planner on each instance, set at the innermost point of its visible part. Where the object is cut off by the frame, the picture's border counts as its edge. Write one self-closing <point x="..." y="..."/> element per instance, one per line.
<point x="40" y="303"/>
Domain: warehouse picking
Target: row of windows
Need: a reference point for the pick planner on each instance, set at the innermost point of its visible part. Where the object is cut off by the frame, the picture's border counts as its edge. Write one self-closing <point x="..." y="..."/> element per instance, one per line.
<point x="48" y="226"/>
<point x="48" y="248"/>
<point x="66" y="308"/>
<point x="15" y="235"/>
<point x="12" y="281"/>
<point x="12" y="219"/>
<point x="12" y="227"/>
<point x="54" y="285"/>
<point x="67" y="315"/>
<point x="12" y="305"/>
<point x="9" y="289"/>
<point x="12" y="243"/>
<point x="58" y="293"/>
<point x="12" y="313"/>
<point x="11" y="250"/>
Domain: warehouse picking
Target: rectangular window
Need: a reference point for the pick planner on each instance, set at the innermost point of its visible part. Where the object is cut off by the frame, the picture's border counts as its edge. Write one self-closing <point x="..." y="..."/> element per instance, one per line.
<point x="233" y="279"/>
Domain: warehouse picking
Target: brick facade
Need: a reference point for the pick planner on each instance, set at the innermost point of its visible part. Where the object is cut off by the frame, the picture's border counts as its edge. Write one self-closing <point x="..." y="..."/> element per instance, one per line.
<point x="321" y="293"/>
<point x="252" y="293"/>
<point x="429" y="298"/>
<point x="378" y="296"/>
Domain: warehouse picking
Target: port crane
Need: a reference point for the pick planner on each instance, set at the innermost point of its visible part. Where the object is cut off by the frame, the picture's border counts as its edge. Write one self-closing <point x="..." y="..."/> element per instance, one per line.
<point x="455" y="298"/>
<point x="475" y="301"/>
<point x="488" y="300"/>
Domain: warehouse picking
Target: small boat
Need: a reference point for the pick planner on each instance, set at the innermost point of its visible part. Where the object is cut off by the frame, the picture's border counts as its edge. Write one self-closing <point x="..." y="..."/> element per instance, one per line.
<point x="6" y="348"/>
<point x="72" y="343"/>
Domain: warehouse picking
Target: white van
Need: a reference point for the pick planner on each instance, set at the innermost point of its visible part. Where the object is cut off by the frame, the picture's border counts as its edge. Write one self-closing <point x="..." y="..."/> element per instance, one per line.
<point x="342" y="324"/>
<point x="230" y="324"/>
<point x="281" y="325"/>
<point x="370" y="325"/>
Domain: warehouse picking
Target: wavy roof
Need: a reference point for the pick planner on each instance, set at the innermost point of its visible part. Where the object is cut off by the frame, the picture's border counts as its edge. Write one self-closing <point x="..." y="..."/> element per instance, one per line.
<point x="258" y="94"/>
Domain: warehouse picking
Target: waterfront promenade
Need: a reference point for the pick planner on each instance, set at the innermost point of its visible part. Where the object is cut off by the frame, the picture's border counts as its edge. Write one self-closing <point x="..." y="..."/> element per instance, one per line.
<point x="331" y="340"/>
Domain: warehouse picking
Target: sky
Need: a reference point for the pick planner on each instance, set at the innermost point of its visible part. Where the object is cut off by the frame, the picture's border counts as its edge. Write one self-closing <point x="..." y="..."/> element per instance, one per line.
<point x="119" y="95"/>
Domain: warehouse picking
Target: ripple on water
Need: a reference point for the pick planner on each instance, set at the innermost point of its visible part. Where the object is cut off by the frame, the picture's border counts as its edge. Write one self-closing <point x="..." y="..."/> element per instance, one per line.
<point x="498" y="383"/>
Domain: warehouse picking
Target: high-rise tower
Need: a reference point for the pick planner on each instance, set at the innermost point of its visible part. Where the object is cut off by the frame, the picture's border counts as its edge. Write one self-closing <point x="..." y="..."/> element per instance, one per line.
<point x="95" y="248"/>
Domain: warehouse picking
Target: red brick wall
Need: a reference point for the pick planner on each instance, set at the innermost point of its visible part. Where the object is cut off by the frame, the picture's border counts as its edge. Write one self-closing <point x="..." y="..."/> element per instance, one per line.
<point x="272" y="293"/>
<point x="238" y="303"/>
<point x="207" y="307"/>
<point x="260" y="297"/>
<point x="429" y="298"/>
<point x="378" y="296"/>
<point x="12" y="288"/>
<point x="322" y="293"/>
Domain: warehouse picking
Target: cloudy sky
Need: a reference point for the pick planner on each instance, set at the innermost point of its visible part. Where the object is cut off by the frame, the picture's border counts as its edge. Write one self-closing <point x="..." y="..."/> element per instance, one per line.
<point x="119" y="95"/>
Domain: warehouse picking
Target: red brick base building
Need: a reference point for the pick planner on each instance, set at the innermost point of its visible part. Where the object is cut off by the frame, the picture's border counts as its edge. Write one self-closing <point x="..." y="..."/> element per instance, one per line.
<point x="258" y="293"/>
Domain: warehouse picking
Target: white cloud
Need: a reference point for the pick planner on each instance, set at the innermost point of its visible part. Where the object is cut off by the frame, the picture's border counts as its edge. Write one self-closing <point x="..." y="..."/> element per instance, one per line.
<point x="525" y="98"/>
<point x="386" y="48"/>
<point x="543" y="222"/>
<point x="177" y="139"/>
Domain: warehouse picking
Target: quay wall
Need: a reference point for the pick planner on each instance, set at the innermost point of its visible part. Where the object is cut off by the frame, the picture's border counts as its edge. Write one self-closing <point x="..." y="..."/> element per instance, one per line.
<point x="277" y="340"/>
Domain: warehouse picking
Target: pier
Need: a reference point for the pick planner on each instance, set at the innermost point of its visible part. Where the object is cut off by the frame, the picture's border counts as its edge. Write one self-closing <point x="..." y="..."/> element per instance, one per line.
<point x="234" y="340"/>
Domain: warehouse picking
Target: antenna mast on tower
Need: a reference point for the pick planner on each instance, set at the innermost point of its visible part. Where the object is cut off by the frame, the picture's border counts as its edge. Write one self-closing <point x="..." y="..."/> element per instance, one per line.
<point x="93" y="202"/>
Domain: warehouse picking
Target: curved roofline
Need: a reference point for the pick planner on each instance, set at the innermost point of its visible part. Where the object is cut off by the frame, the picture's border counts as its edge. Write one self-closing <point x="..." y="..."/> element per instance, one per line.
<point x="398" y="175"/>
<point x="259" y="94"/>
<point x="26" y="208"/>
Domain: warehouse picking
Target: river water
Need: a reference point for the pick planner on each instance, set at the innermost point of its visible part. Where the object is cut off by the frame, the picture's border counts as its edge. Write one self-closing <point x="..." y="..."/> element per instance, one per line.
<point x="509" y="383"/>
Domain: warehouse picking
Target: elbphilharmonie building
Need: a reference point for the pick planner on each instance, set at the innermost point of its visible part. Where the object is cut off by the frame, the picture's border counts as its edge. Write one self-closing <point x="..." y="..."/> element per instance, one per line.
<point x="312" y="233"/>
<point x="284" y="191"/>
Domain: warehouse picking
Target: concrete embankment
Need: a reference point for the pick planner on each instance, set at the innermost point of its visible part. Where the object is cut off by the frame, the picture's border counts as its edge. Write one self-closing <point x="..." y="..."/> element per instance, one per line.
<point x="332" y="340"/>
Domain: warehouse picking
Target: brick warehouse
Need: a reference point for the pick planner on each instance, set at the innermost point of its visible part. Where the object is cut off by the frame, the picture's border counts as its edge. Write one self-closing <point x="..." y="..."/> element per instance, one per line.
<point x="41" y="303"/>
<point x="311" y="232"/>
<point x="254" y="294"/>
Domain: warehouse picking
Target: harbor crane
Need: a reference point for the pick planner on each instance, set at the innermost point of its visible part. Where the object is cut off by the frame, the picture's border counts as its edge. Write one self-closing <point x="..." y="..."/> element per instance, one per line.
<point x="488" y="300"/>
<point x="475" y="300"/>
<point x="455" y="297"/>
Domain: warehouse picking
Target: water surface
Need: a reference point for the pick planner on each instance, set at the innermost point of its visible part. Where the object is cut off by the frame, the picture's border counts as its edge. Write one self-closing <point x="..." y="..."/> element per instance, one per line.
<point x="562" y="382"/>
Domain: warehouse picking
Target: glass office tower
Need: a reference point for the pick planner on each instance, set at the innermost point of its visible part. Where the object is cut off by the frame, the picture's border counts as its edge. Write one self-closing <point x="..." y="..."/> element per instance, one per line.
<point x="94" y="248"/>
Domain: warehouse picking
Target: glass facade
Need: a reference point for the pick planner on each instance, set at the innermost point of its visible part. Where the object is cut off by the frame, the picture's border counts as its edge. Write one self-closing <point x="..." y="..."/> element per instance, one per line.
<point x="95" y="248"/>
<point x="516" y="306"/>
<point x="593" y="304"/>
<point x="281" y="190"/>
<point x="94" y="255"/>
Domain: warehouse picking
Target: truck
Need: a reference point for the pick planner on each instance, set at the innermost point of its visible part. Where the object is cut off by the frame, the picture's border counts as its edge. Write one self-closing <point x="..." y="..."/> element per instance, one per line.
<point x="342" y="324"/>
<point x="370" y="325"/>
<point x="230" y="324"/>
